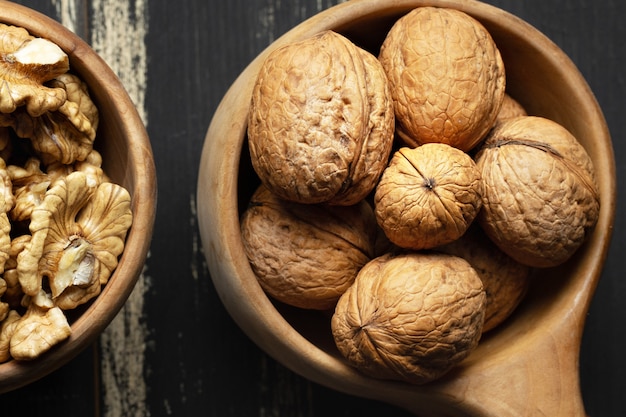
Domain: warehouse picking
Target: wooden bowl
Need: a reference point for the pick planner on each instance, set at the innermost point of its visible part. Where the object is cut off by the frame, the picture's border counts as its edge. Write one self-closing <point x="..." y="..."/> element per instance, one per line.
<point x="529" y="365"/>
<point x="127" y="159"/>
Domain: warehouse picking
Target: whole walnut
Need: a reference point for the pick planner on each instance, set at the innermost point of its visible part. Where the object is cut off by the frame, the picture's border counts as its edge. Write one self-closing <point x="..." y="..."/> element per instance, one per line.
<point x="321" y="122"/>
<point x="510" y="108"/>
<point x="428" y="196"/>
<point x="410" y="317"/>
<point x="306" y="255"/>
<point x="540" y="200"/>
<point x="446" y="75"/>
<point x="505" y="280"/>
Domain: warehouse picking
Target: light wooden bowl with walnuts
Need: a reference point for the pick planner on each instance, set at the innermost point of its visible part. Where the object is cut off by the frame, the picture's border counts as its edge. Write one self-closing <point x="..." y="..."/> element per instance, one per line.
<point x="120" y="159"/>
<point x="526" y="366"/>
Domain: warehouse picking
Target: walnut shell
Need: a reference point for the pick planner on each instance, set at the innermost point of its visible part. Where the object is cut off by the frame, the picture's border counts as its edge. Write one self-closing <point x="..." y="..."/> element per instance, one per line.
<point x="410" y="317"/>
<point x="505" y="280"/>
<point x="306" y="255"/>
<point x="446" y="75"/>
<point x="541" y="199"/>
<point x="510" y="108"/>
<point x="321" y="121"/>
<point x="428" y="196"/>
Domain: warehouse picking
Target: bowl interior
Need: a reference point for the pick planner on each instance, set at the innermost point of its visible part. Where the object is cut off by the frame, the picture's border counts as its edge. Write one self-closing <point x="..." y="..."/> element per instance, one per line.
<point x="536" y="78"/>
<point x="127" y="159"/>
<point x="548" y="84"/>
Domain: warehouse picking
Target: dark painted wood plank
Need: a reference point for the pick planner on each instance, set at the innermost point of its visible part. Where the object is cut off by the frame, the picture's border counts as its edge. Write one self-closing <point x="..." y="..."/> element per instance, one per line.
<point x="72" y="390"/>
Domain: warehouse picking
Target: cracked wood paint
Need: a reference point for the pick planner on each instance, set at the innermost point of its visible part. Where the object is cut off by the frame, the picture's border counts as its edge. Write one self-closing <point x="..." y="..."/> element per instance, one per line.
<point x="116" y="31"/>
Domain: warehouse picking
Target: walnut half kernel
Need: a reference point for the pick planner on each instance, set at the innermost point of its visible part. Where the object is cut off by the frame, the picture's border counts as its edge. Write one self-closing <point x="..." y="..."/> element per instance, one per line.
<point x="63" y="223"/>
<point x="26" y="64"/>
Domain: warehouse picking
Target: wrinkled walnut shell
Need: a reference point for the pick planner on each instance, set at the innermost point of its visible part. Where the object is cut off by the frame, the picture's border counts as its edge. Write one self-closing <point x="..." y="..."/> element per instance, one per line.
<point x="321" y="121"/>
<point x="446" y="76"/>
<point x="410" y="317"/>
<point x="428" y="196"/>
<point x="540" y="199"/>
<point x="505" y="280"/>
<point x="306" y="255"/>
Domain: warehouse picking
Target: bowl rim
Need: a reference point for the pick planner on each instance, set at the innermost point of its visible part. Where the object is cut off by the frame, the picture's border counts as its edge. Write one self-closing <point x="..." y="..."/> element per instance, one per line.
<point x="257" y="316"/>
<point x="142" y="175"/>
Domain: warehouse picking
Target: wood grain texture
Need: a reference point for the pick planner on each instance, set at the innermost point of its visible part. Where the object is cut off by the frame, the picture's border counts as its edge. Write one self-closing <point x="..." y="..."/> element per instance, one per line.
<point x="117" y="32"/>
<point x="174" y="350"/>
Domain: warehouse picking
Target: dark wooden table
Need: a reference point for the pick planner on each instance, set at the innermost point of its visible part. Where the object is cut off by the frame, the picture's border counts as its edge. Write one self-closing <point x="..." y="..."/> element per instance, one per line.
<point x="174" y="350"/>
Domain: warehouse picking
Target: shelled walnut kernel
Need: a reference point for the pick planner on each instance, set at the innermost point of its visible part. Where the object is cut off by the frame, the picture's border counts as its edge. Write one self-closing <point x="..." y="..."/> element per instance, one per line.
<point x="63" y="223"/>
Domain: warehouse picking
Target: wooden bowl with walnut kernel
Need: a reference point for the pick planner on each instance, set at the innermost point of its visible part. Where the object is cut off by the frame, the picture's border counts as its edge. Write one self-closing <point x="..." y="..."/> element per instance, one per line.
<point x="528" y="365"/>
<point x="78" y="196"/>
